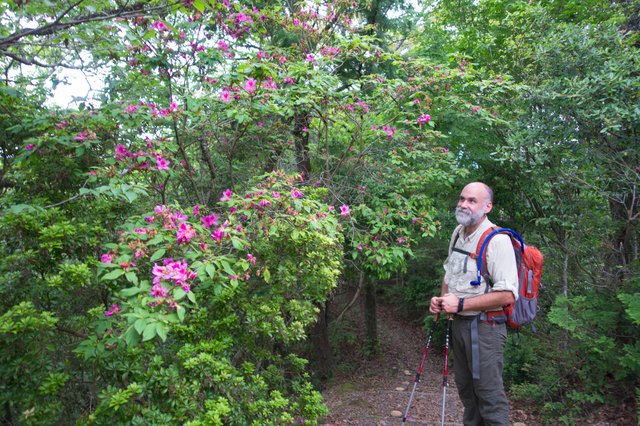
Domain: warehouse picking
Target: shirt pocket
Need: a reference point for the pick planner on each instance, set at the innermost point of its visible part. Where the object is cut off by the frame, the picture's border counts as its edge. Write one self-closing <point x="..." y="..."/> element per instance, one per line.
<point x="462" y="264"/>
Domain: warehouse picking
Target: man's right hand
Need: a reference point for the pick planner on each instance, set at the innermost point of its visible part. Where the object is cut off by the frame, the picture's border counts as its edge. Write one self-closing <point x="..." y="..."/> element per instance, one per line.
<point x="436" y="305"/>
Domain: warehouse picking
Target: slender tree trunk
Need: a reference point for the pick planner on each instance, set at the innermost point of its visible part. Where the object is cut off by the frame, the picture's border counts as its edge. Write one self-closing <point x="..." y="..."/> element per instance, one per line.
<point x="301" y="137"/>
<point x="370" y="319"/>
<point x="322" y="356"/>
<point x="564" y="276"/>
<point x="319" y="334"/>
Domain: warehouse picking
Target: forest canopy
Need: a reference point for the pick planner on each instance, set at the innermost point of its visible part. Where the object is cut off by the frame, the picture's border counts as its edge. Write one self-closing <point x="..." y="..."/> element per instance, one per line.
<point x="171" y="238"/>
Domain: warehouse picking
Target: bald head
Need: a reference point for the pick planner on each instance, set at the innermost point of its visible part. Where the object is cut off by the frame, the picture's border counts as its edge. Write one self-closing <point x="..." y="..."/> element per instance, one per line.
<point x="481" y="188"/>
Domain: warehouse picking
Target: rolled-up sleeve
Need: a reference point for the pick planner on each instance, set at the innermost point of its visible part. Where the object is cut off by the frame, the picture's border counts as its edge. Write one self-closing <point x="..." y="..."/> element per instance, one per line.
<point x="501" y="262"/>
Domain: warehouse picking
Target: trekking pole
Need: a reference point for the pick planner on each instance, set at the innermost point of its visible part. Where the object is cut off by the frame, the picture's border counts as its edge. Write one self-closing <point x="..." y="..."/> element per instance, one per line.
<point x="419" y="372"/>
<point x="445" y="382"/>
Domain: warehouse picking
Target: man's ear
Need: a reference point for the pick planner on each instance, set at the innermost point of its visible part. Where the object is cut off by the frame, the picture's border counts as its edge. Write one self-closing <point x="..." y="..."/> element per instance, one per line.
<point x="487" y="207"/>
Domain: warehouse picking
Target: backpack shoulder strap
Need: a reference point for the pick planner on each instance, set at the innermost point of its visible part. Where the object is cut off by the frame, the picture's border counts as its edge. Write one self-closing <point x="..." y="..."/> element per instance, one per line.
<point x="482" y="249"/>
<point x="454" y="239"/>
<point x="480" y="259"/>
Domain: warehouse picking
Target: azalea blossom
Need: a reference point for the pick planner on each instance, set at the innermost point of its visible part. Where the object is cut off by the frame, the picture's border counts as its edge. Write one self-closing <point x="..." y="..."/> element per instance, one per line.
<point x="115" y="309"/>
<point x="218" y="233"/>
<point x="225" y="96"/>
<point x="185" y="233"/>
<point x="250" y="85"/>
<point x="425" y="118"/>
<point x="159" y="26"/>
<point x="121" y="152"/>
<point x="226" y="195"/>
<point x="344" y="210"/>
<point x="130" y="109"/>
<point x="296" y="193"/>
<point x="30" y="146"/>
<point x="106" y="258"/>
<point x="209" y="221"/>
<point x="161" y="163"/>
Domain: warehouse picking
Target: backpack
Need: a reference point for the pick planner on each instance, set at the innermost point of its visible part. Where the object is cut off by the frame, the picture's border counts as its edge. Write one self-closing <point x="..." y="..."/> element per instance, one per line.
<point x="529" y="262"/>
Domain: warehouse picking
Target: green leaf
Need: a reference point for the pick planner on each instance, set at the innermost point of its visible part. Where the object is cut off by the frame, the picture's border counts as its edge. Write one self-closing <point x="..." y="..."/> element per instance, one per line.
<point x="131" y="277"/>
<point x="237" y="243"/>
<point x="192" y="297"/>
<point x="158" y="254"/>
<point x="149" y="331"/>
<point x="211" y="270"/>
<point x="116" y="273"/>
<point x="266" y="275"/>
<point x="140" y="324"/>
<point x="131" y="336"/>
<point x="162" y="331"/>
<point x="179" y="293"/>
<point x="131" y="291"/>
<point x="227" y="268"/>
<point x="199" y="4"/>
<point x="632" y="305"/>
<point x="181" y="312"/>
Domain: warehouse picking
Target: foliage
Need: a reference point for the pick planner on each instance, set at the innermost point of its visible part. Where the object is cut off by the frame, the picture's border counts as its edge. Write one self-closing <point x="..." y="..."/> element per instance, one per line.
<point x="346" y="132"/>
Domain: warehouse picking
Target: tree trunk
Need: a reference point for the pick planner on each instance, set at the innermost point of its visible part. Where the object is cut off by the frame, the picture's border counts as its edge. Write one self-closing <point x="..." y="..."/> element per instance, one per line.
<point x="301" y="136"/>
<point x="322" y="355"/>
<point x="370" y="320"/>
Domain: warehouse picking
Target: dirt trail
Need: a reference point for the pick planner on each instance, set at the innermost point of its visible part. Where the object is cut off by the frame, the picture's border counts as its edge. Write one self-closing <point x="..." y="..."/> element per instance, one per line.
<point x="370" y="391"/>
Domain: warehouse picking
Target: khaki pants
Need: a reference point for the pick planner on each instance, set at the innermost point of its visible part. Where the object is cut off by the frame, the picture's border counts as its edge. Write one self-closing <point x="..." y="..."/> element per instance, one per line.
<point x="485" y="402"/>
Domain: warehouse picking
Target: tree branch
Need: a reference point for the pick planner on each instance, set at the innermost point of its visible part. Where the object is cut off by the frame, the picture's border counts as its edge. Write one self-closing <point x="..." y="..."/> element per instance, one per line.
<point x="58" y="26"/>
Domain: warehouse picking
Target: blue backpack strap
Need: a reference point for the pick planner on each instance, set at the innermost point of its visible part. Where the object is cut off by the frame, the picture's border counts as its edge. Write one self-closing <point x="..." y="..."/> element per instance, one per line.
<point x="481" y="254"/>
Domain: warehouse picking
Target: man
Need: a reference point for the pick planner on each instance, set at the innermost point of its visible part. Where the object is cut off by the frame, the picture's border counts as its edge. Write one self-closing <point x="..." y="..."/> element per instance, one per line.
<point x="479" y="329"/>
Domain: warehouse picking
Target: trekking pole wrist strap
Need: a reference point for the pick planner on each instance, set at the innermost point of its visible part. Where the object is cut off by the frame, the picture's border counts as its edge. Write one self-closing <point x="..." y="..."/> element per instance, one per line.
<point x="460" y="305"/>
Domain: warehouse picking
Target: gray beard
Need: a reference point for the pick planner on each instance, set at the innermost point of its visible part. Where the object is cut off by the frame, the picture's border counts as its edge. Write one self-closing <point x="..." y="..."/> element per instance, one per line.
<point x="466" y="218"/>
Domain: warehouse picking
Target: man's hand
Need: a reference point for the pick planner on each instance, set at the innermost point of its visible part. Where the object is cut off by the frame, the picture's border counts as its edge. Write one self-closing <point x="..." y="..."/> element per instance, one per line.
<point x="449" y="303"/>
<point x="436" y="305"/>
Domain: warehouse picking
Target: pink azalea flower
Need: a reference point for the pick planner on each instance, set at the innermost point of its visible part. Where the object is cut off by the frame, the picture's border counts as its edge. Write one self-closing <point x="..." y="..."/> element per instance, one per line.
<point x="218" y="233"/>
<point x="225" y="96"/>
<point x="30" y="146"/>
<point x="251" y="258"/>
<point x="106" y="258"/>
<point x="160" y="208"/>
<point x="159" y="26"/>
<point x="130" y="109"/>
<point x="161" y="163"/>
<point x="276" y="194"/>
<point x="121" y="152"/>
<point x="159" y="292"/>
<point x="425" y="118"/>
<point x="209" y="221"/>
<point x="196" y="210"/>
<point x="224" y="46"/>
<point x="296" y="193"/>
<point x="185" y="233"/>
<point x="344" y="210"/>
<point x="226" y="195"/>
<point x="115" y="309"/>
<point x="250" y="85"/>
